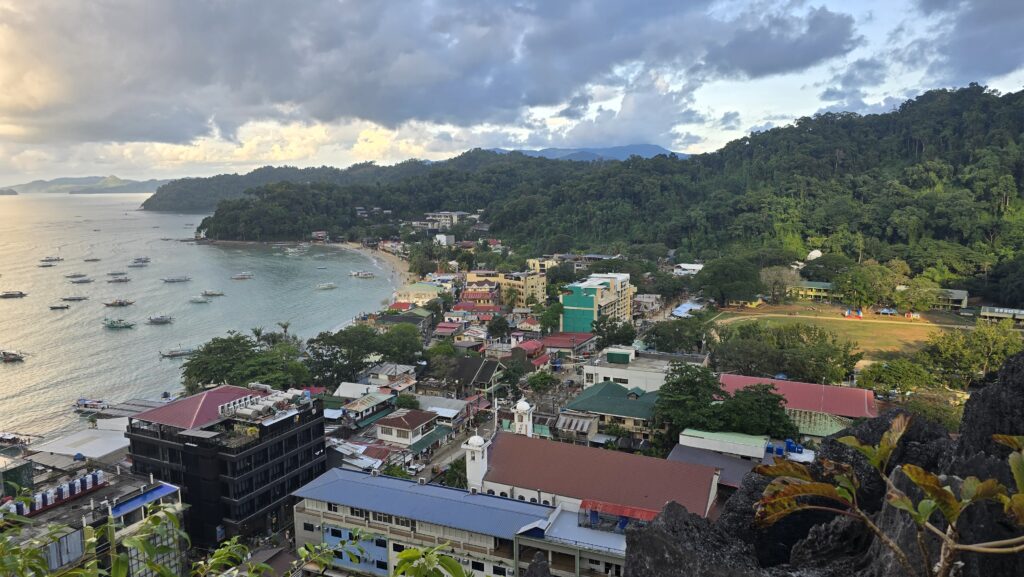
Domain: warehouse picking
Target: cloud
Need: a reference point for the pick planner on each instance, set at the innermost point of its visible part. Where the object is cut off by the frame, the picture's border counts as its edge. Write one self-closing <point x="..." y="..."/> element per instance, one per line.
<point x="780" y="42"/>
<point x="846" y="91"/>
<point x="979" y="40"/>
<point x="730" y="120"/>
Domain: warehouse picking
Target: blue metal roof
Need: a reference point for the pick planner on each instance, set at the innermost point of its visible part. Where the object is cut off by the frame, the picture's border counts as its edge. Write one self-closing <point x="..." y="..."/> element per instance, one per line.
<point x="455" y="508"/>
<point x="142" y="499"/>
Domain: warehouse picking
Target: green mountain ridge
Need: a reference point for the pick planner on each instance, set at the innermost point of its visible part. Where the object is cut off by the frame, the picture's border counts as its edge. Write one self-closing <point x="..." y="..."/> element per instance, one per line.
<point x="936" y="183"/>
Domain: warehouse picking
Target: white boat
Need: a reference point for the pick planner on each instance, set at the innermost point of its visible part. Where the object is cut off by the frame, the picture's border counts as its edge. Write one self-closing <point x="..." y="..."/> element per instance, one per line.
<point x="90" y="405"/>
<point x="160" y="320"/>
<point x="326" y="286"/>
<point x="242" y="276"/>
<point x="52" y="259"/>
<point x="362" y="274"/>
<point x="81" y="281"/>
<point x="211" y="293"/>
<point x="176" y="278"/>
<point x="199" y="300"/>
<point x="178" y="353"/>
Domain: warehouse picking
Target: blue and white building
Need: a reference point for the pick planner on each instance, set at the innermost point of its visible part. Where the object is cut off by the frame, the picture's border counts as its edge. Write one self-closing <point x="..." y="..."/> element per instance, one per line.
<point x="488" y="535"/>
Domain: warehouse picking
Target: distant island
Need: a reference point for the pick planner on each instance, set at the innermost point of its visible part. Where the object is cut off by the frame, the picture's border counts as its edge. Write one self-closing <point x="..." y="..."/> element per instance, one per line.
<point x="89" y="185"/>
<point x="8" y="192"/>
<point x="597" y="154"/>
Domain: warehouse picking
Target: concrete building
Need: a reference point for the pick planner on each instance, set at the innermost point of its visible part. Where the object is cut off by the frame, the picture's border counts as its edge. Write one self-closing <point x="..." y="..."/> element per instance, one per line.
<point x="951" y="299"/>
<point x="806" y="290"/>
<point x="817" y="410"/>
<point x="541" y="265"/>
<point x="739" y="445"/>
<point x="618" y="407"/>
<point x="1001" y="313"/>
<point x="524" y="284"/>
<point x="686" y="269"/>
<point x="444" y="240"/>
<point x="601" y="295"/>
<point x="635" y="370"/>
<point x="236" y="452"/>
<point x="419" y="293"/>
<point x="84" y="497"/>
<point x="485" y="534"/>
<point x="586" y="480"/>
<point x="443" y="220"/>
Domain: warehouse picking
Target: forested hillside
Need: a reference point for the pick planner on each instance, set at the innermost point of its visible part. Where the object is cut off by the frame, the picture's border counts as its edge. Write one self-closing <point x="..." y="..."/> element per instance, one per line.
<point x="203" y="194"/>
<point x="936" y="183"/>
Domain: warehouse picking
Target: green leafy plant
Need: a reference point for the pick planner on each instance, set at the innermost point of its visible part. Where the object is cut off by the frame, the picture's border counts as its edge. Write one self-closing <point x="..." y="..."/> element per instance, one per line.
<point x="793" y="489"/>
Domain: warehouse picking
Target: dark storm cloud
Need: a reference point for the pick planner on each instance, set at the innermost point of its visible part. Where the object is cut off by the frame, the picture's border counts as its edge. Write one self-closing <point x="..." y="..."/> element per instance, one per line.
<point x="172" y="71"/>
<point x="781" y="42"/>
<point x="981" y="40"/>
<point x="846" y="90"/>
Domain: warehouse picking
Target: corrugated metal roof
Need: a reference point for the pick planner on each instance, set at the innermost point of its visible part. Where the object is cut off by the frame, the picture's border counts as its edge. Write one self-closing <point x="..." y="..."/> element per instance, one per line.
<point x="611" y="398"/>
<point x="732" y="469"/>
<point x="455" y="508"/>
<point x="843" y="401"/>
<point x="197" y="410"/>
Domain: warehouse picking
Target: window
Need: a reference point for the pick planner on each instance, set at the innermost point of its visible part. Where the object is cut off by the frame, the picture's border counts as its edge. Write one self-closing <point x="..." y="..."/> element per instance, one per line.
<point x="407" y="523"/>
<point x="533" y="499"/>
<point x="477" y="566"/>
<point x="308" y="527"/>
<point x="546" y="502"/>
<point x="498" y="571"/>
<point x="402" y="434"/>
<point x="621" y="381"/>
<point x="382" y="565"/>
<point x="490" y="491"/>
<point x="332" y="507"/>
<point x="590" y="377"/>
<point x="521" y="498"/>
<point x="382" y="518"/>
<point x="359" y="513"/>
<point x="383" y="544"/>
<point x="387" y="431"/>
<point x="336" y="533"/>
<point x="504" y="494"/>
<point x="397" y="548"/>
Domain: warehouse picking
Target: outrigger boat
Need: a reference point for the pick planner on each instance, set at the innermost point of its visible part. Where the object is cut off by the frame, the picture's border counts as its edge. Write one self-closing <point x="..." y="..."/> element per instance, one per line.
<point x="160" y="320"/>
<point x="361" y="274"/>
<point x="242" y="276"/>
<point x="119" y="303"/>
<point x="210" y="293"/>
<point x="325" y="286"/>
<point x="59" y="307"/>
<point x="178" y="353"/>
<point x="74" y="299"/>
<point x="120" y="279"/>
<point x="117" y="324"/>
<point x="199" y="300"/>
<point x="81" y="281"/>
<point x="90" y="405"/>
<point x="13" y="295"/>
<point x="176" y="279"/>
<point x="11" y="357"/>
<point x="76" y="275"/>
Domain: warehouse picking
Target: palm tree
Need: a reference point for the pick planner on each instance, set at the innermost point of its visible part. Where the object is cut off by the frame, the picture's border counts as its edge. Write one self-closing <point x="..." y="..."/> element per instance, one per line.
<point x="257" y="333"/>
<point x="284" y="326"/>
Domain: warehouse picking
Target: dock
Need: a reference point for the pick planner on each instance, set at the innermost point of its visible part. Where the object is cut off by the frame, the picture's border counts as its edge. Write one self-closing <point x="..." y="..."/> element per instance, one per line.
<point x="128" y="408"/>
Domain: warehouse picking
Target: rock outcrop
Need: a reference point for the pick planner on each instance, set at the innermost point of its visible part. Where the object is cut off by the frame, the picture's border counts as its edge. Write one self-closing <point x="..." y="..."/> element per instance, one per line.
<point x="823" y="545"/>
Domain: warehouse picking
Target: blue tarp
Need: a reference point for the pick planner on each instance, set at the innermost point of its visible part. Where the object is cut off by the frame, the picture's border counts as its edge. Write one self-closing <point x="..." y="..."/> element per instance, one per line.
<point x="683" y="311"/>
<point x="141" y="500"/>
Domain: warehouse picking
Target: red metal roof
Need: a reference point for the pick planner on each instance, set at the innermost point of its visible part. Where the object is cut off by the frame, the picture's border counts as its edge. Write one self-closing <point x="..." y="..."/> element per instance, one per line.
<point x="401" y="306"/>
<point x="843" y="401"/>
<point x="407" y="419"/>
<point x="541" y="360"/>
<point x="566" y="340"/>
<point x="531" y="346"/>
<point x="478" y="295"/>
<point x="618" y="510"/>
<point x="195" y="411"/>
<point x="612" y="477"/>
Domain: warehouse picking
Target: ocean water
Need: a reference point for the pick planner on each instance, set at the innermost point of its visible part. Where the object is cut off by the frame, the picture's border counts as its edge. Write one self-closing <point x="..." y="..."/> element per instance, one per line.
<point x="71" y="355"/>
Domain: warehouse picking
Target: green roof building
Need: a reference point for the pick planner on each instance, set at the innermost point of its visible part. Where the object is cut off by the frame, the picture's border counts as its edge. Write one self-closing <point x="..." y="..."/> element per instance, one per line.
<point x="614" y="404"/>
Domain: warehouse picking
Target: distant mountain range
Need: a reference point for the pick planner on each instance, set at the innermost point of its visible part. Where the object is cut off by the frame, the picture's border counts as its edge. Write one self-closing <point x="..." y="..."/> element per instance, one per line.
<point x="593" y="154"/>
<point x="88" y="185"/>
<point x="8" y="192"/>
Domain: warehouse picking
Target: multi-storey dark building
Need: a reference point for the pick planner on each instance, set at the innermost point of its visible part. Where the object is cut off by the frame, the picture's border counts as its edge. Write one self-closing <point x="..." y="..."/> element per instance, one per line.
<point x="236" y="453"/>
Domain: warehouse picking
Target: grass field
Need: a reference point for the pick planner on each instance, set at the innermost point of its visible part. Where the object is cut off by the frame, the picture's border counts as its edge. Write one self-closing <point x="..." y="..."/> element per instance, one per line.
<point x="877" y="340"/>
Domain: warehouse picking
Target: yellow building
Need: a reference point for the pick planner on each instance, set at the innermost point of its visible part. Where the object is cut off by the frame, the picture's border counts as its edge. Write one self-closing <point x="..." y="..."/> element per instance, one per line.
<point x="812" y="291"/>
<point x="540" y="265"/>
<point x="525" y="285"/>
<point x="419" y="293"/>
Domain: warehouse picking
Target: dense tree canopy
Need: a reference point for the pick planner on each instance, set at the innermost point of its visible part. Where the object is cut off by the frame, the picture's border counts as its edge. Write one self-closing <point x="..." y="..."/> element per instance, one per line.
<point x="801" y="351"/>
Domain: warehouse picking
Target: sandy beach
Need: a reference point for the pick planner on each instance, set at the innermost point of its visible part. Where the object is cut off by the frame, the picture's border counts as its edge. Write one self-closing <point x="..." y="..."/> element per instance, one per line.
<point x="400" y="268"/>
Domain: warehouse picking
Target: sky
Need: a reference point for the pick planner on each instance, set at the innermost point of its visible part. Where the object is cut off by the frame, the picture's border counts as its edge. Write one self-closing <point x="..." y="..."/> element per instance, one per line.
<point x="169" y="88"/>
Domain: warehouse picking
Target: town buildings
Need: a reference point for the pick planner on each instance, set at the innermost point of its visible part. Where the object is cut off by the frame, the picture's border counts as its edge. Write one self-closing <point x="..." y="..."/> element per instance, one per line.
<point x="635" y="370"/>
<point x="73" y="500"/>
<point x="237" y="454"/>
<point x="419" y="293"/>
<point x="817" y="410"/>
<point x="443" y="220"/>
<point x="618" y="408"/>
<point x="525" y="288"/>
<point x="486" y="534"/>
<point x="600" y="295"/>
<point x="541" y="265"/>
<point x="592" y="482"/>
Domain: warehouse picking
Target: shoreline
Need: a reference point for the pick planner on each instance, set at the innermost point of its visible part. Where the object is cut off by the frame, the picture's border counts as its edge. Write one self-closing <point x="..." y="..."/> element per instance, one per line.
<point x="399" y="268"/>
